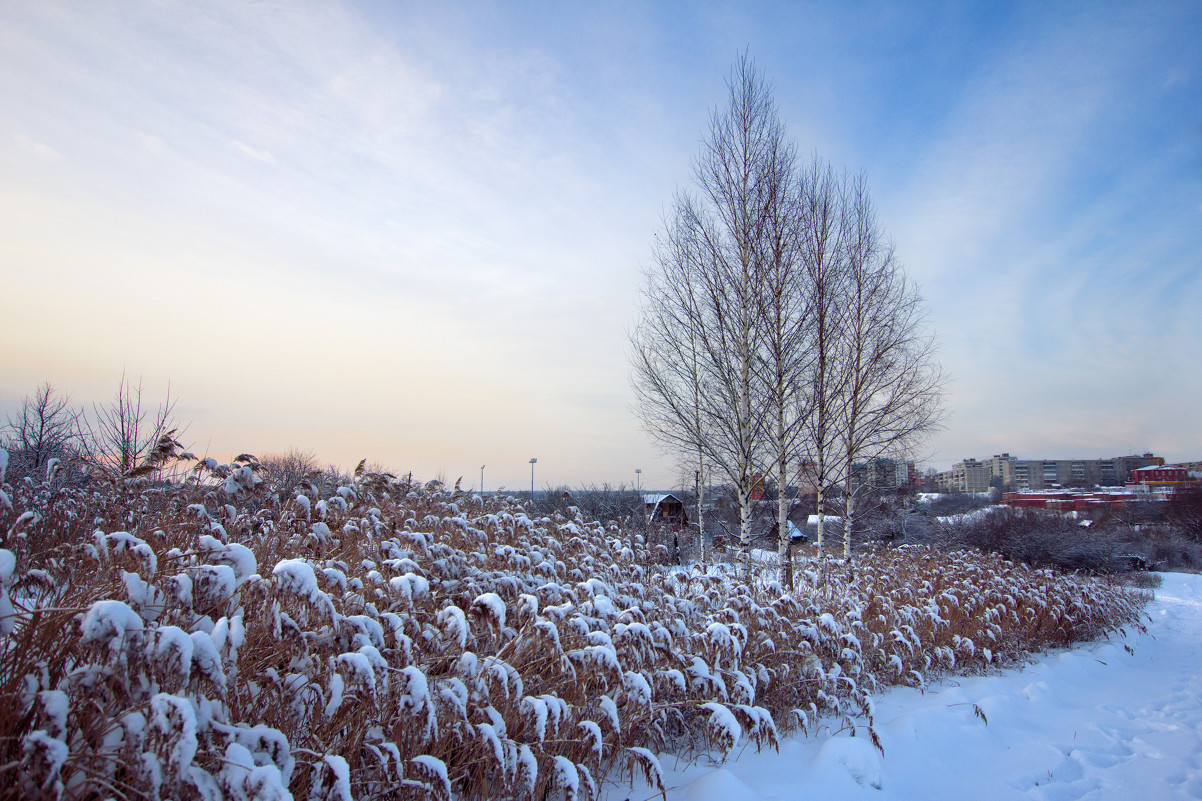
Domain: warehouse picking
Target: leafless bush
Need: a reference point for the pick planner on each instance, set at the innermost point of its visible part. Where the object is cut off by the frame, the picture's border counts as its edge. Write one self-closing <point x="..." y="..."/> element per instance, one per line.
<point x="1141" y="579"/>
<point x="1112" y="543"/>
<point x="1037" y="538"/>
<point x="605" y="502"/>
<point x="954" y="503"/>
<point x="1165" y="546"/>
<point x="286" y="472"/>
<point x="44" y="427"/>
<point x="128" y="439"/>
<point x="1185" y="512"/>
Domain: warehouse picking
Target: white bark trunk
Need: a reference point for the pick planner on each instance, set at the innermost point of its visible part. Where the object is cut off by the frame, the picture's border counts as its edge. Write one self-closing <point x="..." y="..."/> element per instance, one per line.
<point x="849" y="508"/>
<point x="784" y="548"/>
<point x="745" y="530"/>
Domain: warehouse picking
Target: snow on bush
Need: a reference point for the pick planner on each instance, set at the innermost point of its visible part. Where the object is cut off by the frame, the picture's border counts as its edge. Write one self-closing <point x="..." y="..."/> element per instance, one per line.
<point x="416" y="641"/>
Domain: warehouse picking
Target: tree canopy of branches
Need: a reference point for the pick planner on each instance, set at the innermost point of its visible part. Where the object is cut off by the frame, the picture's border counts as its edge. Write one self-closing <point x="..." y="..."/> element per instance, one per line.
<point x="128" y="438"/>
<point x="45" y="426"/>
<point x="777" y="326"/>
<point x="288" y="471"/>
<point x="890" y="379"/>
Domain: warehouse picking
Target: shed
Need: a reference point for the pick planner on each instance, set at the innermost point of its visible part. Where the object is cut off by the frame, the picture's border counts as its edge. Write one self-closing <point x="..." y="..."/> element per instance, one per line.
<point x="664" y="508"/>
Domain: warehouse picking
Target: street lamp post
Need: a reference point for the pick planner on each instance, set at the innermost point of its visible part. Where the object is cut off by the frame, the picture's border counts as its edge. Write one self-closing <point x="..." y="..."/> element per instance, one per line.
<point x="482" y="480"/>
<point x="638" y="490"/>
<point x="532" y="461"/>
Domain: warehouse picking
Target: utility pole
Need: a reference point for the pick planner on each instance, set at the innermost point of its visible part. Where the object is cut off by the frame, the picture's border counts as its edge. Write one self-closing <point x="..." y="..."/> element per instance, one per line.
<point x="638" y="490"/>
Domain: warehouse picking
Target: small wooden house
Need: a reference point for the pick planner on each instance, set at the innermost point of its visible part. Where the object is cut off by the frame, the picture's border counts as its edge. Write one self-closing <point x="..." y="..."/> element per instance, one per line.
<point x="664" y="509"/>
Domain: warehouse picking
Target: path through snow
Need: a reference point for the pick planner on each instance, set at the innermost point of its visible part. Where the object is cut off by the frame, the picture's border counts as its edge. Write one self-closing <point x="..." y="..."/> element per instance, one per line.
<point x="1096" y="722"/>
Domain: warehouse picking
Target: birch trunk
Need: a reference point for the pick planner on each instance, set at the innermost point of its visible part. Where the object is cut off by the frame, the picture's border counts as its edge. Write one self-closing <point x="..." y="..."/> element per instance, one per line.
<point x="849" y="509"/>
<point x="784" y="548"/>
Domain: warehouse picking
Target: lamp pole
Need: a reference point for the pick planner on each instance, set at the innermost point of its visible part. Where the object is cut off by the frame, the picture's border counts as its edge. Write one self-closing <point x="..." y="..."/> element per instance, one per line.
<point x="638" y="489"/>
<point x="532" y="462"/>
<point x="482" y="480"/>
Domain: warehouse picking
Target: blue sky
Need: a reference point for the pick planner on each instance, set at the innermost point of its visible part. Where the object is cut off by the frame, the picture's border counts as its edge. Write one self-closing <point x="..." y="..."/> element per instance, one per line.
<point x="414" y="232"/>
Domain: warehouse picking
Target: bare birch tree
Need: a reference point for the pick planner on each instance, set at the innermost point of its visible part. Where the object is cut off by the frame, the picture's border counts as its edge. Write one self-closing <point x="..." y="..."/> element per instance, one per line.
<point x="666" y="350"/>
<point x="822" y="230"/>
<point x="717" y="247"/>
<point x="786" y="312"/>
<point x="891" y="385"/>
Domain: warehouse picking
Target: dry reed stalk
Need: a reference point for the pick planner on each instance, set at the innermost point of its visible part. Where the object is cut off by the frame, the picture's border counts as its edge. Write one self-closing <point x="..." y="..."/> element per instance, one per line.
<point x="378" y="639"/>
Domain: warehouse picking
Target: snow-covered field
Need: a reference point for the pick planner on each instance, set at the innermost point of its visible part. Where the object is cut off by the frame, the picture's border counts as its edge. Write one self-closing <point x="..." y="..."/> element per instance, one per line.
<point x="1095" y="722"/>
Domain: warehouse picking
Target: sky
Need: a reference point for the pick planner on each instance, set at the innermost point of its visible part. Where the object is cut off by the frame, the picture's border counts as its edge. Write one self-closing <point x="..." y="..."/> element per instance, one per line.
<point x="415" y="232"/>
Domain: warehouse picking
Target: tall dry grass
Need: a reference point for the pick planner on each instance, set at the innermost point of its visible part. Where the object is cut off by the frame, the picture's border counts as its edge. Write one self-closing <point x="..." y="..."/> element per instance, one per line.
<point x="382" y="640"/>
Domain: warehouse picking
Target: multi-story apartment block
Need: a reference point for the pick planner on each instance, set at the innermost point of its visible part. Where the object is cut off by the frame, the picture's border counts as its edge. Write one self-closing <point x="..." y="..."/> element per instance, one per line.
<point x="972" y="475"/>
<point x="885" y="474"/>
<point x="969" y="475"/>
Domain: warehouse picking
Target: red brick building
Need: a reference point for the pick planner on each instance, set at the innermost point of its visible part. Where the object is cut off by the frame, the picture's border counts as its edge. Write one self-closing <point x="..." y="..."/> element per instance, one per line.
<point x="1159" y="476"/>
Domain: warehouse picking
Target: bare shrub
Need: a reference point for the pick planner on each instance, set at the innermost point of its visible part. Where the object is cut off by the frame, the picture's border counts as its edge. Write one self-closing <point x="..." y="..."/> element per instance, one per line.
<point x="1142" y="579"/>
<point x="286" y="472"/>
<point x="955" y="503"/>
<point x="1035" y="537"/>
<point x="1166" y="547"/>
<point x="127" y="438"/>
<point x="45" y="426"/>
<point x="1185" y="512"/>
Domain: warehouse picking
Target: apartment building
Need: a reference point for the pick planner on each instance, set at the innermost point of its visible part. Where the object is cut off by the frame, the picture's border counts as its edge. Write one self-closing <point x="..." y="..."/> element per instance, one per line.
<point x="885" y="474"/>
<point x="1004" y="470"/>
<point x="969" y="475"/>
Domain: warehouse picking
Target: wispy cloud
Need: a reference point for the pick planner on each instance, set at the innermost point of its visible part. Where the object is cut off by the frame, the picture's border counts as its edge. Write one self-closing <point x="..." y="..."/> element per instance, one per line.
<point x="39" y="149"/>
<point x="262" y="156"/>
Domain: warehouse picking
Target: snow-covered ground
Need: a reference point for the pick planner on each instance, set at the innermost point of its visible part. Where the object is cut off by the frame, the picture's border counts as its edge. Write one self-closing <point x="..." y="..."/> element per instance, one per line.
<point x="1095" y="722"/>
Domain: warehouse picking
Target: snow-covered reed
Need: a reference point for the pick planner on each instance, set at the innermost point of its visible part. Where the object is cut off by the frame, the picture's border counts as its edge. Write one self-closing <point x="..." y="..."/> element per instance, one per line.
<point x="381" y="639"/>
